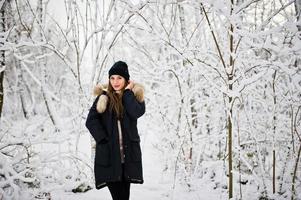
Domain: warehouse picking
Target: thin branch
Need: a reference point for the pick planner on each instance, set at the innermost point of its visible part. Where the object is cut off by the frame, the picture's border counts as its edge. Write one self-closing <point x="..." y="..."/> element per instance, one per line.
<point x="295" y="123"/>
<point x="214" y="38"/>
<point x="268" y="20"/>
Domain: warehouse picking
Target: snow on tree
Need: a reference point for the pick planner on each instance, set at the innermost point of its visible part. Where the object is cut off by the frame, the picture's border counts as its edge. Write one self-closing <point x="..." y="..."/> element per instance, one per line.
<point x="223" y="88"/>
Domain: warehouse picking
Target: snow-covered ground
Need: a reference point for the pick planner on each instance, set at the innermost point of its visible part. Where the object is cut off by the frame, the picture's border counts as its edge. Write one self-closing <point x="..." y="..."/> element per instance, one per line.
<point x="155" y="186"/>
<point x="151" y="189"/>
<point x="208" y="183"/>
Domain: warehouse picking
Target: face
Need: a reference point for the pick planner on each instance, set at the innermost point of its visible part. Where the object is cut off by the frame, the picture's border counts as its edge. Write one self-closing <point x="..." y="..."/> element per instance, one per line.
<point x="117" y="82"/>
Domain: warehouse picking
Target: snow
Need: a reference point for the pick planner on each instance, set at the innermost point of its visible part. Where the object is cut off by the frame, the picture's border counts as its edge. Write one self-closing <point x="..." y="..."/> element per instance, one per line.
<point x="47" y="149"/>
<point x="156" y="185"/>
<point x="151" y="189"/>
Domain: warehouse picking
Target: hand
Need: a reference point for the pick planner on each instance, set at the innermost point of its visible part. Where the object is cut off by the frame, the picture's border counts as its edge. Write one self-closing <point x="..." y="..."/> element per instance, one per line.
<point x="130" y="85"/>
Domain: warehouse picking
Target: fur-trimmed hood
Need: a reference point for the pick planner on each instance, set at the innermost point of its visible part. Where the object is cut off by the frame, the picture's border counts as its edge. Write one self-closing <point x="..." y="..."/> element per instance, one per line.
<point x="102" y="102"/>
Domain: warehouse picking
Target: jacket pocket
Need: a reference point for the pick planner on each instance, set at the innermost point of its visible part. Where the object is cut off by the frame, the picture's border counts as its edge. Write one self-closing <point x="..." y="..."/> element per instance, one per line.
<point x="103" y="154"/>
<point x="135" y="150"/>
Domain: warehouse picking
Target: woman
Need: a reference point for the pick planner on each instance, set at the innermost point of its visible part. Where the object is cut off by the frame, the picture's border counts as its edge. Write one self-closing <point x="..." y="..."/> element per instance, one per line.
<point x="112" y="121"/>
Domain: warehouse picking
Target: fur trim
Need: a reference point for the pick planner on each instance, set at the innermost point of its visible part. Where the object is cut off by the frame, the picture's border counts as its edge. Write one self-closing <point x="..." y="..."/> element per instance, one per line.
<point x="138" y="90"/>
<point x="99" y="88"/>
<point x="102" y="102"/>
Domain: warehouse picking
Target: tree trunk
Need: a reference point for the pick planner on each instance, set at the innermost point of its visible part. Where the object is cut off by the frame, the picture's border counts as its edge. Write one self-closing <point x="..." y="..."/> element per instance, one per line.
<point x="44" y="76"/>
<point x="230" y="87"/>
<point x="295" y="174"/>
<point x="2" y="56"/>
<point x="274" y="132"/>
<point x="298" y="156"/>
<point x="298" y="12"/>
<point x="193" y="112"/>
<point x="297" y="63"/>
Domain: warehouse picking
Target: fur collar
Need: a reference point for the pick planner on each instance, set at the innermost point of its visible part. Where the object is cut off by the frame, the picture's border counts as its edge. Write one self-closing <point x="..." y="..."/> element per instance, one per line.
<point x="102" y="102"/>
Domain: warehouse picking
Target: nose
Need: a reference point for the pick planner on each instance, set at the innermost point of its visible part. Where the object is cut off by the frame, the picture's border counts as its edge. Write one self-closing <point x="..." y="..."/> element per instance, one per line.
<point x="114" y="82"/>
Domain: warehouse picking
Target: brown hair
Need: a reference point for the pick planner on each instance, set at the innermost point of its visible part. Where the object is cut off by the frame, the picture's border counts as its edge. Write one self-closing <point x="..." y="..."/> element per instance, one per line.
<point x="115" y="100"/>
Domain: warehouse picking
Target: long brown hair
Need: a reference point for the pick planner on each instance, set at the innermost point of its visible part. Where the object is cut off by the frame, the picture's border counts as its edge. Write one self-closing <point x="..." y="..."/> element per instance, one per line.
<point x="115" y="100"/>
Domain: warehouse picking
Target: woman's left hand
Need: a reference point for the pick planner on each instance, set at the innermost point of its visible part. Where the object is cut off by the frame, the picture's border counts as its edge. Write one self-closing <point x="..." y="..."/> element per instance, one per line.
<point x="130" y="85"/>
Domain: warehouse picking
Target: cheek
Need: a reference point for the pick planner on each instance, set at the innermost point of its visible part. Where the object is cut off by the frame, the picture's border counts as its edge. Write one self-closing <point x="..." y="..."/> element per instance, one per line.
<point x="122" y="83"/>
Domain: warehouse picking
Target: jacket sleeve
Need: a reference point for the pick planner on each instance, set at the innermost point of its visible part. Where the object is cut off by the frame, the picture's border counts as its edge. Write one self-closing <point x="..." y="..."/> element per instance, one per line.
<point x="94" y="125"/>
<point x="134" y="108"/>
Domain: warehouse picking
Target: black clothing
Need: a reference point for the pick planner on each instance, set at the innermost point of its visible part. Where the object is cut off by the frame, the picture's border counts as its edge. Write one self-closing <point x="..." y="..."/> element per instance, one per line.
<point x="120" y="68"/>
<point x="103" y="128"/>
<point x="120" y="190"/>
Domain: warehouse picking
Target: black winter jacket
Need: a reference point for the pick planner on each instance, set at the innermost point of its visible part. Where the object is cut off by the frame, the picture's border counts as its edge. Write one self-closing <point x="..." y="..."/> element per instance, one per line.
<point x="102" y="125"/>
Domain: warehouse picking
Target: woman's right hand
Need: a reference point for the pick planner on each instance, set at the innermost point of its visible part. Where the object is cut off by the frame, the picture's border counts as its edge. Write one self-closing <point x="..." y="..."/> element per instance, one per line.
<point x="130" y="85"/>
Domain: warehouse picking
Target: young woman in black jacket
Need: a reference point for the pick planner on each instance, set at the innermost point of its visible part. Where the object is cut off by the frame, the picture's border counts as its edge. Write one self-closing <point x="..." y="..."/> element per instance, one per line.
<point x="112" y="121"/>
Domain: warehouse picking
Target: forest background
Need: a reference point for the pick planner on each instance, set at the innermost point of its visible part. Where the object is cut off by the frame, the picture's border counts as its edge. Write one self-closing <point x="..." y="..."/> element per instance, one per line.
<point x="222" y="81"/>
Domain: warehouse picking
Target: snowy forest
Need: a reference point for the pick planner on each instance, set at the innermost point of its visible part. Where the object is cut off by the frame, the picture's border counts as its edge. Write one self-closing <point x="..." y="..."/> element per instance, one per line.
<point x="223" y="96"/>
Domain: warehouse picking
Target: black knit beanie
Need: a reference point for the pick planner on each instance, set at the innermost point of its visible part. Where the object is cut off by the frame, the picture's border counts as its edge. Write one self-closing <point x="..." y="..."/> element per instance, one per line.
<point x="120" y="68"/>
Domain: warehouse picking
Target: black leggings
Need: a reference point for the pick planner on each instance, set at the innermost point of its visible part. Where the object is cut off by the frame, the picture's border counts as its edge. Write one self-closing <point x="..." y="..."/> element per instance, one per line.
<point x="120" y="190"/>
